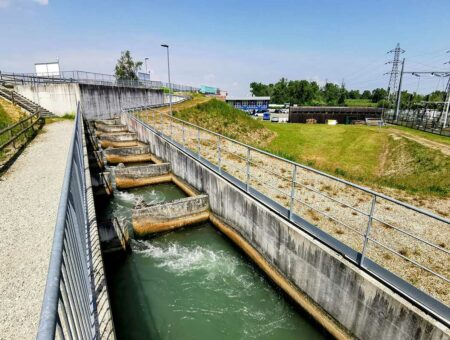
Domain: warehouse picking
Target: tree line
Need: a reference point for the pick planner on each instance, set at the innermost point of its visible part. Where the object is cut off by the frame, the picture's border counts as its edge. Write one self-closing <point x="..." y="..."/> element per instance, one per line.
<point x="304" y="92"/>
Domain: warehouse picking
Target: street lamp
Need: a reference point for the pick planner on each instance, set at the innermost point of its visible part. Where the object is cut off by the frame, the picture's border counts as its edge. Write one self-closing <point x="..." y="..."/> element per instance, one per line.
<point x="168" y="71"/>
<point x="146" y="68"/>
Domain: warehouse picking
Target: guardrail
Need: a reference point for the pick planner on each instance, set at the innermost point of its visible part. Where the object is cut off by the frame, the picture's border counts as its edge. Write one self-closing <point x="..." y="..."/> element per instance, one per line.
<point x="68" y="308"/>
<point x="422" y="121"/>
<point x="403" y="246"/>
<point x="83" y="77"/>
<point x="11" y="134"/>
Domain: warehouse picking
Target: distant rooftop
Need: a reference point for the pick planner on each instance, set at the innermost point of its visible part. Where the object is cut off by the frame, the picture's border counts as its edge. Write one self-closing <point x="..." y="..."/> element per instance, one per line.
<point x="248" y="98"/>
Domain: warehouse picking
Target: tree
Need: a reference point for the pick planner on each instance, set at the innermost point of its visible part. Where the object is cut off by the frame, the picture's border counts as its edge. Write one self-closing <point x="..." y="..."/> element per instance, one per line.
<point x="331" y="93"/>
<point x="378" y="95"/>
<point x="260" y="89"/>
<point x="366" y="95"/>
<point x="126" y="68"/>
<point x="354" y="94"/>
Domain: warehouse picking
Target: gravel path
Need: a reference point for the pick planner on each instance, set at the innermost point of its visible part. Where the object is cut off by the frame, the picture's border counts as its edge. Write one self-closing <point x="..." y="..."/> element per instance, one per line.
<point x="29" y="198"/>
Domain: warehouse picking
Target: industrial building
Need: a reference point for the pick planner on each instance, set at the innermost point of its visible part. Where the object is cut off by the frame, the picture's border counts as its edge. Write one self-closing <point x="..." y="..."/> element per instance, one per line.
<point x="250" y="104"/>
<point x="342" y="114"/>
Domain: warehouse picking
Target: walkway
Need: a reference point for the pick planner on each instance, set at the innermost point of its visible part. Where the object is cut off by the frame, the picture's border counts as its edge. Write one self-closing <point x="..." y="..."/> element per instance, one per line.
<point x="29" y="198"/>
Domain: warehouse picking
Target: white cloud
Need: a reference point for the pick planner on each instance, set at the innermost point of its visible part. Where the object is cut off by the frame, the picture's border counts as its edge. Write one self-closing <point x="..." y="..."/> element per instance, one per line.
<point x="41" y="2"/>
<point x="8" y="3"/>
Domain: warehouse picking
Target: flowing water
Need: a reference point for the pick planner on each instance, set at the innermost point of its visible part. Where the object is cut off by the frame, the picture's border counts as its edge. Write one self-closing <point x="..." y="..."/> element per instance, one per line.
<point x="194" y="284"/>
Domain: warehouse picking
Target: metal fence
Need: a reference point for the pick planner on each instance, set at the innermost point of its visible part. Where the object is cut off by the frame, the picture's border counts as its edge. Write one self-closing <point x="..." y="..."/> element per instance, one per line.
<point x="68" y="309"/>
<point x="83" y="77"/>
<point x="421" y="119"/>
<point x="404" y="246"/>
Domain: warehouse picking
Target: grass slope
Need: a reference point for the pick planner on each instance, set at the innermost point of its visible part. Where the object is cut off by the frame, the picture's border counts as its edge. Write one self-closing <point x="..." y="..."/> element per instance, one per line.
<point x="5" y="119"/>
<point x="224" y="119"/>
<point x="360" y="102"/>
<point x="367" y="155"/>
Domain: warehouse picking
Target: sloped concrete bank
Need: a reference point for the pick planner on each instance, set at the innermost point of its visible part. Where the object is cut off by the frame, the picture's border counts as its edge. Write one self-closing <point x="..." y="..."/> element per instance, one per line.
<point x="355" y="300"/>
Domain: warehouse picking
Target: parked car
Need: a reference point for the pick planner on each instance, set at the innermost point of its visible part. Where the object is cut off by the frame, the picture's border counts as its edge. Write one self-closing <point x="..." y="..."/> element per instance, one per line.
<point x="266" y="116"/>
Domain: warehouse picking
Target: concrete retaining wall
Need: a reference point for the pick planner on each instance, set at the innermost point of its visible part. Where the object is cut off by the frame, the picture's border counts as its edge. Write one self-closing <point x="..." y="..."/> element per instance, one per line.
<point x="354" y="299"/>
<point x="97" y="101"/>
<point x="59" y="99"/>
<point x="107" y="101"/>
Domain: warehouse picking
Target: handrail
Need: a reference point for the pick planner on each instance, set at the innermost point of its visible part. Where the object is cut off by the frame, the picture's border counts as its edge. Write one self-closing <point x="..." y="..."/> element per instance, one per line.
<point x="68" y="305"/>
<point x="90" y="78"/>
<point x="343" y="181"/>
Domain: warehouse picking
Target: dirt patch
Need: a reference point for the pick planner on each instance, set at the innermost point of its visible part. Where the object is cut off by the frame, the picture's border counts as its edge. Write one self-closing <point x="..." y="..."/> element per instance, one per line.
<point x="444" y="148"/>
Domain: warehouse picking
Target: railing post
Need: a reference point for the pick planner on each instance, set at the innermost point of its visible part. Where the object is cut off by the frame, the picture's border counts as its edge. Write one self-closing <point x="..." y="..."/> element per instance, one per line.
<point x="247" y="183"/>
<point x="198" y="142"/>
<point x="219" y="156"/>
<point x="183" y="134"/>
<point x="291" y="204"/>
<point x="367" y="233"/>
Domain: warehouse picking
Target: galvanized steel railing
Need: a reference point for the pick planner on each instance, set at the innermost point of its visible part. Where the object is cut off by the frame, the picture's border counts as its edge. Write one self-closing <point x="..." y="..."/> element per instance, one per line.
<point x="374" y="234"/>
<point x="68" y="308"/>
<point x="89" y="78"/>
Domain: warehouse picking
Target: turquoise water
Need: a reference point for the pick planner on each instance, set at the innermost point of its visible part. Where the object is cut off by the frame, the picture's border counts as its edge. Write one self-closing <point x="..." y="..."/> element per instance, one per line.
<point x="194" y="283"/>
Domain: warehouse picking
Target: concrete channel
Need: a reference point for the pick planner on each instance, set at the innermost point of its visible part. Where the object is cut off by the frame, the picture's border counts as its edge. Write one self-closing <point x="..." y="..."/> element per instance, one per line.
<point x="171" y="232"/>
<point x="344" y="299"/>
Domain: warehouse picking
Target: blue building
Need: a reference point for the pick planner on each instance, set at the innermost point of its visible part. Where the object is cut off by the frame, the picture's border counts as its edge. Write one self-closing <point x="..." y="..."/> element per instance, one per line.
<point x="208" y="89"/>
<point x="250" y="104"/>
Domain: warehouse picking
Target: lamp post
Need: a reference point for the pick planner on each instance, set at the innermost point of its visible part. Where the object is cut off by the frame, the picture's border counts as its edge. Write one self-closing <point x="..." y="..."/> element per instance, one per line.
<point x="146" y="68"/>
<point x="168" y="71"/>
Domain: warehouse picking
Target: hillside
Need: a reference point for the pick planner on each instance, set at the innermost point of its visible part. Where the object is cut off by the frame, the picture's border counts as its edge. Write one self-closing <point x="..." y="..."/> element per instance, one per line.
<point x="387" y="157"/>
<point x="9" y="113"/>
<point x="224" y="119"/>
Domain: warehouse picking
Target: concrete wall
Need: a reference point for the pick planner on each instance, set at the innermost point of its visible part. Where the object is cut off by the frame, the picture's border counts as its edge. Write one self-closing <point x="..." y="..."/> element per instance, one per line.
<point x="354" y="299"/>
<point x="97" y="102"/>
<point x="57" y="98"/>
<point x="107" y="101"/>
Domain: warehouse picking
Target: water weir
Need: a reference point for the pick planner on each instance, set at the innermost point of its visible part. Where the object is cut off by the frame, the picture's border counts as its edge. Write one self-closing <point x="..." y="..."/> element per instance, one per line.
<point x="188" y="283"/>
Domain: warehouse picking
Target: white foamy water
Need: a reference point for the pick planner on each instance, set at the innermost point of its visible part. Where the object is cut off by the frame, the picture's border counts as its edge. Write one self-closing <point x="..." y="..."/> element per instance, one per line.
<point x="181" y="259"/>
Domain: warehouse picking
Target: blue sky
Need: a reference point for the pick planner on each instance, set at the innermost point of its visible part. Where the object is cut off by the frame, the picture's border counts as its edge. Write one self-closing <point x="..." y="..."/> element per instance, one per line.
<point x="231" y="43"/>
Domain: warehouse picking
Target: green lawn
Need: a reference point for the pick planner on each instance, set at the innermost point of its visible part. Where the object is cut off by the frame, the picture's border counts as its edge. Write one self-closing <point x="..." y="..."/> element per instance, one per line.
<point x="360" y="102"/>
<point x="368" y="155"/>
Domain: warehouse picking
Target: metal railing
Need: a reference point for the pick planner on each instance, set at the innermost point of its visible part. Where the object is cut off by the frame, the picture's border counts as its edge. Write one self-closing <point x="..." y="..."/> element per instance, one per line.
<point x="420" y="120"/>
<point x="384" y="236"/>
<point x="83" y="77"/>
<point x="68" y="308"/>
<point x="17" y="135"/>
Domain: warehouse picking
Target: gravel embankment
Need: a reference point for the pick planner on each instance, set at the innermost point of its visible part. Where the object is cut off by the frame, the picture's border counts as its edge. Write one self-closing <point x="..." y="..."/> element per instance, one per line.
<point x="29" y="198"/>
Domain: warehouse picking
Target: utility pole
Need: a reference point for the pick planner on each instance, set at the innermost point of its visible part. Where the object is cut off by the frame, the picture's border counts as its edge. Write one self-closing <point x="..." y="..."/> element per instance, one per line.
<point x="399" y="93"/>
<point x="392" y="87"/>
